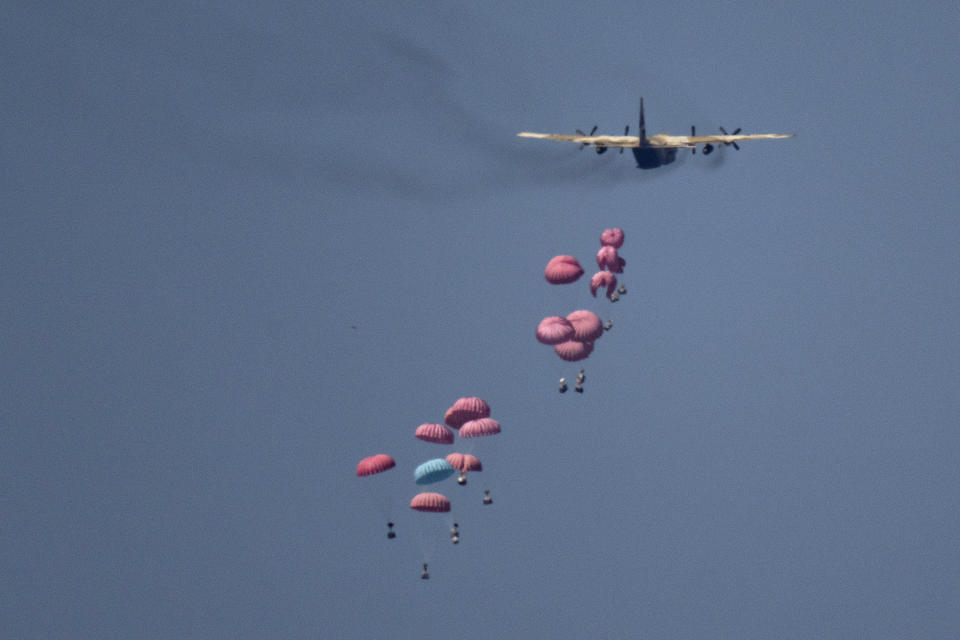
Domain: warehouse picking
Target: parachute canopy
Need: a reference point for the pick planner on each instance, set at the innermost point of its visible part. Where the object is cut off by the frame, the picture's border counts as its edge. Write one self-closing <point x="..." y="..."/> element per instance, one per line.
<point x="480" y="427"/>
<point x="466" y="409"/>
<point x="586" y="325"/>
<point x="612" y="238"/>
<point x="434" y="433"/>
<point x="573" y="350"/>
<point x="554" y="329"/>
<point x="607" y="258"/>
<point x="563" y="270"/>
<point x="375" y="464"/>
<point x="430" y="502"/>
<point x="603" y="279"/>
<point x="433" y="471"/>
<point x="464" y="462"/>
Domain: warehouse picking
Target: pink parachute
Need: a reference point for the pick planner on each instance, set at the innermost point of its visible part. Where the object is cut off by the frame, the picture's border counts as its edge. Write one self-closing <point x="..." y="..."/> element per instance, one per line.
<point x="466" y="409"/>
<point x="572" y="350"/>
<point x="607" y="258"/>
<point x="563" y="270"/>
<point x="603" y="279"/>
<point x="554" y="329"/>
<point x="434" y="433"/>
<point x="479" y="427"/>
<point x="612" y="238"/>
<point x="375" y="464"/>
<point x="464" y="462"/>
<point x="430" y="502"/>
<point x="586" y="326"/>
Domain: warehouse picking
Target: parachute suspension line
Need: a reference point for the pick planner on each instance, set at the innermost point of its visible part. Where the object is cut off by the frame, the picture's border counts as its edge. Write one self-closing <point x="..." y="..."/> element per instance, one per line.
<point x="426" y="525"/>
<point x="379" y="489"/>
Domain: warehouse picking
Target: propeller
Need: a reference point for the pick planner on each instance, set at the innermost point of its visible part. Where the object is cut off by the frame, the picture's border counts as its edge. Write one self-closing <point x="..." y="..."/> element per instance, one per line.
<point x="735" y="145"/>
<point x="693" y="149"/>
<point x="626" y="132"/>
<point x="581" y="133"/>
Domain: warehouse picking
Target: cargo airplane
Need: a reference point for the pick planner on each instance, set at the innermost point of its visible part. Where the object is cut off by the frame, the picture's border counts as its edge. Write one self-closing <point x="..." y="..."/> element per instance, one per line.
<point x="656" y="150"/>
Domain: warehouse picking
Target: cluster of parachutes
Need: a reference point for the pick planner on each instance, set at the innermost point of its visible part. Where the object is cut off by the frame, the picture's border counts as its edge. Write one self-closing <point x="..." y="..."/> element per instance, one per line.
<point x="565" y="269"/>
<point x="572" y="337"/>
<point x="469" y="417"/>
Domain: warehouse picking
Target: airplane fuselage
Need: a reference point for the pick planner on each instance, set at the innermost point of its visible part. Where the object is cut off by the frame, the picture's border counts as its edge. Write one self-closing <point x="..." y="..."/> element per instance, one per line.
<point x="653" y="157"/>
<point x="650" y="157"/>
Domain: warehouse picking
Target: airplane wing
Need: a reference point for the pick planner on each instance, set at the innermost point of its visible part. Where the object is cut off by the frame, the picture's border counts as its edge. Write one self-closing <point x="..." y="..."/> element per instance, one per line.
<point x="686" y="142"/>
<point x="600" y="141"/>
<point x="662" y="140"/>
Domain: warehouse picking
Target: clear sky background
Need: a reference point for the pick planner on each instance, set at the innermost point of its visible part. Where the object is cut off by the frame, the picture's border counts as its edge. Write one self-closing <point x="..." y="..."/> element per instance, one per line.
<point x="244" y="246"/>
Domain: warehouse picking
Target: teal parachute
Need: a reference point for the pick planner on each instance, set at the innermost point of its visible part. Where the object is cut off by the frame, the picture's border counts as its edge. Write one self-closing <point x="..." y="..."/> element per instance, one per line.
<point x="433" y="471"/>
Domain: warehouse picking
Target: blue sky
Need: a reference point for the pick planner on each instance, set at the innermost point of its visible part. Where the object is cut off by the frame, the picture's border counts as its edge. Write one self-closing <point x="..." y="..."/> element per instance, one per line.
<point x="244" y="246"/>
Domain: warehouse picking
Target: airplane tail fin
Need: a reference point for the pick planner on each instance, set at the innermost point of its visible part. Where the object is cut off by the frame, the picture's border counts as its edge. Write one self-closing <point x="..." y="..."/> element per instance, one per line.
<point x="643" y="127"/>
